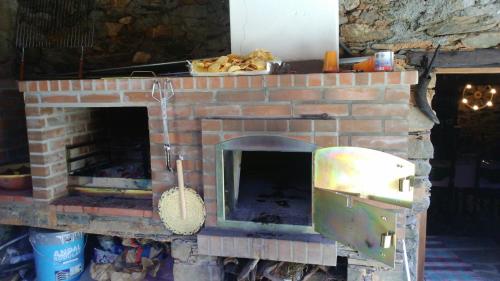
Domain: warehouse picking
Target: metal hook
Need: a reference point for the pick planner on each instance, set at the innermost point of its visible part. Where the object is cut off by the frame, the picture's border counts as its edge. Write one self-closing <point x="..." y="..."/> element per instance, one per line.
<point x="170" y="88"/>
<point x="156" y="84"/>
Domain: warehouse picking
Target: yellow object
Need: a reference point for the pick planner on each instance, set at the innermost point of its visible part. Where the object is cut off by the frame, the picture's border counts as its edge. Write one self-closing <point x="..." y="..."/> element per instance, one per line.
<point x="366" y="66"/>
<point x="256" y="60"/>
<point x="181" y="209"/>
<point x="330" y="63"/>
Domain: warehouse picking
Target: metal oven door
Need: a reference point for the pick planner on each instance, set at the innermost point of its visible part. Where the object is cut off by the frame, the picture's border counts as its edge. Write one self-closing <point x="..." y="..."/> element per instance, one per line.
<point x="358" y="194"/>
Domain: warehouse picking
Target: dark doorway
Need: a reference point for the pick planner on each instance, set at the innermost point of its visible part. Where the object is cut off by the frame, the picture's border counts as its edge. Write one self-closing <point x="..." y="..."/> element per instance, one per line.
<point x="464" y="215"/>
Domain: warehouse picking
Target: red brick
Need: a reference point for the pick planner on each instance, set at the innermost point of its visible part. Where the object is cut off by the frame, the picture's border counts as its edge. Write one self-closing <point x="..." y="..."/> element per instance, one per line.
<point x="330" y="79"/>
<point x="353" y="94"/>
<point x="217" y="110"/>
<point x="59" y="99"/>
<point x="215" y="82"/>
<point x="183" y="125"/>
<point x="314" y="80"/>
<point x="54" y="85"/>
<point x="87" y="85"/>
<point x="291" y="95"/>
<point x="267" y="110"/>
<point x="360" y="126"/>
<point x="139" y="97"/>
<point x="22" y="86"/>
<point x="32" y="86"/>
<point x="330" y="109"/>
<point x="135" y="84"/>
<point x="410" y="77"/>
<point x="326" y="141"/>
<point x="211" y="139"/>
<point x="192" y="97"/>
<point x="286" y="80"/>
<point x="362" y="79"/>
<point x="380" y="109"/>
<point x="211" y="125"/>
<point x="148" y="213"/>
<point x="284" y="250"/>
<point x="100" y="98"/>
<point x="38" y="171"/>
<point x="300" y="80"/>
<point x="254" y="125"/>
<point x="64" y="85"/>
<point x="119" y="212"/>
<point x="377" y="78"/>
<point x="38" y="148"/>
<point x="43" y="86"/>
<point x="99" y="85"/>
<point x="325" y="125"/>
<point x="123" y="84"/>
<point x="242" y="82"/>
<point x="256" y="82"/>
<point x="111" y="84"/>
<point x="42" y="193"/>
<point x="346" y="79"/>
<point x="211" y="220"/>
<point x="76" y="85"/>
<point x="394" y="77"/>
<point x="393" y="126"/>
<point x="201" y="82"/>
<point x="277" y="125"/>
<point x="240" y="96"/>
<point x="300" y="125"/>
<point x="172" y="111"/>
<point x="232" y="125"/>
<point x="307" y="138"/>
<point x="299" y="252"/>
<point x="31" y="99"/>
<point x="381" y="142"/>
<point x="176" y="83"/>
<point x="228" y="82"/>
<point x="73" y="209"/>
<point x="271" y="81"/>
<point x="397" y="94"/>
<point x="187" y="83"/>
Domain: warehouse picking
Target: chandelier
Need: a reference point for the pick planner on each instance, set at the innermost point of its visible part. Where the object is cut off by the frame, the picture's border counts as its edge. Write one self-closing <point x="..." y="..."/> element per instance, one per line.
<point x="478" y="97"/>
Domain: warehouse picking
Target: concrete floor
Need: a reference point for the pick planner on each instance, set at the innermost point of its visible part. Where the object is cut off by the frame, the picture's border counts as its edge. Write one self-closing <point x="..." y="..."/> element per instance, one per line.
<point x="482" y="254"/>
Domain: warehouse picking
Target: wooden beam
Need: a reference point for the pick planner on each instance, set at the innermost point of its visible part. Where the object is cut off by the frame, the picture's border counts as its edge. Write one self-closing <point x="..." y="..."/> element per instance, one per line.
<point x="467" y="70"/>
<point x="460" y="59"/>
<point x="422" y="233"/>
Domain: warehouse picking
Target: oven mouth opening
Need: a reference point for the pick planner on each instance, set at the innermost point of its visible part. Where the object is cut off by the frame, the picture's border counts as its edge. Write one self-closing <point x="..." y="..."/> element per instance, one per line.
<point x="115" y="151"/>
<point x="268" y="187"/>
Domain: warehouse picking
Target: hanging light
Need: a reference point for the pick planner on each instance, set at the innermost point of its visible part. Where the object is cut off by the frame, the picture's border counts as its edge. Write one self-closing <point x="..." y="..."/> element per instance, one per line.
<point x="478" y="97"/>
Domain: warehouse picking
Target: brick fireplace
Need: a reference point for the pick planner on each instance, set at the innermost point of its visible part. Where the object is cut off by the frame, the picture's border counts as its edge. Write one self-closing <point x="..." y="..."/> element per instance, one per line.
<point x="368" y="110"/>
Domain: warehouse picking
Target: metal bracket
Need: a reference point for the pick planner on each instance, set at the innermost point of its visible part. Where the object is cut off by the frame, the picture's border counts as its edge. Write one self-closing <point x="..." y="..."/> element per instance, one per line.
<point x="386" y="240"/>
<point x="406" y="184"/>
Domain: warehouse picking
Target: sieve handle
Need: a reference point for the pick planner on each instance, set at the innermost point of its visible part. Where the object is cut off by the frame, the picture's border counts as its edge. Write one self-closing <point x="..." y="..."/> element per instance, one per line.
<point x="180" y="178"/>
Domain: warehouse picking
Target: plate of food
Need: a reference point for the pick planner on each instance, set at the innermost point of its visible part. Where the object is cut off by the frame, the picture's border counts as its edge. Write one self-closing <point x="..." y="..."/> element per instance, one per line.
<point x="258" y="62"/>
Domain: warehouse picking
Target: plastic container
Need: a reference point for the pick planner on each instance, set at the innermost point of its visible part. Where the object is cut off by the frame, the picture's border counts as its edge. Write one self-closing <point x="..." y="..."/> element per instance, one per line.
<point x="58" y="255"/>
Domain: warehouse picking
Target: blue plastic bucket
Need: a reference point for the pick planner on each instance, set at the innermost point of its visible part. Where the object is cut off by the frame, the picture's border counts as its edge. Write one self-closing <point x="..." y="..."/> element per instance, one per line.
<point x="58" y="255"/>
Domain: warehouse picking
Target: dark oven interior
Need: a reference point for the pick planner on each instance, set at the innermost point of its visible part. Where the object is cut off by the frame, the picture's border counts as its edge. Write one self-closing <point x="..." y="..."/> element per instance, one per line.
<point x="115" y="145"/>
<point x="268" y="186"/>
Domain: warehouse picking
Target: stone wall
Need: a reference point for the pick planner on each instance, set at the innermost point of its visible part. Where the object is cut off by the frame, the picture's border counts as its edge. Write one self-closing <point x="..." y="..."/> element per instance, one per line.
<point x="149" y="31"/>
<point x="370" y="25"/>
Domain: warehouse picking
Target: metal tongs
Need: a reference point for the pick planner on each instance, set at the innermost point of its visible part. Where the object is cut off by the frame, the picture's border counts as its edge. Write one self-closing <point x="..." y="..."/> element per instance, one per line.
<point x="163" y="99"/>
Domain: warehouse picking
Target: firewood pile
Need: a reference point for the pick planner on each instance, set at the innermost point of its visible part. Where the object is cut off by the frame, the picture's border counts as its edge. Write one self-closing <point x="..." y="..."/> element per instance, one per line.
<point x="265" y="270"/>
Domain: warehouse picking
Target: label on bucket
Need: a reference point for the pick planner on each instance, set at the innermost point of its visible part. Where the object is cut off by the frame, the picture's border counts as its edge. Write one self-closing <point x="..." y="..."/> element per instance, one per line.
<point x="68" y="273"/>
<point x="67" y="253"/>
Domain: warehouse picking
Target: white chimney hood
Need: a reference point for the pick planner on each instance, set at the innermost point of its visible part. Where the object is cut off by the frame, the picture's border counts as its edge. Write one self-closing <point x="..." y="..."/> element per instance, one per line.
<point x="291" y="29"/>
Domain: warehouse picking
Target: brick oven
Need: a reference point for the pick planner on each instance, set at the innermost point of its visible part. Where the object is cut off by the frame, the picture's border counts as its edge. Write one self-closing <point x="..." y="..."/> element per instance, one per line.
<point x="227" y="129"/>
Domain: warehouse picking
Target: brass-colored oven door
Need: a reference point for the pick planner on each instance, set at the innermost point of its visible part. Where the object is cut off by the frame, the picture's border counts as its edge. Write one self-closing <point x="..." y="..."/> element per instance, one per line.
<point x="358" y="194"/>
